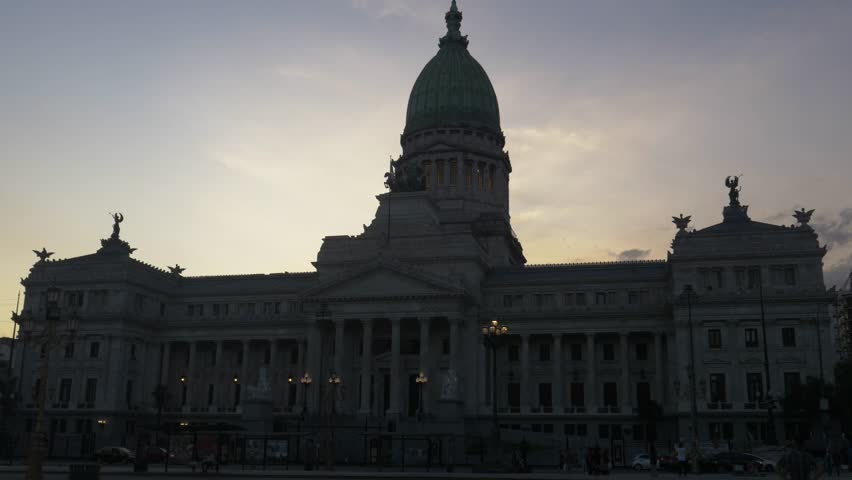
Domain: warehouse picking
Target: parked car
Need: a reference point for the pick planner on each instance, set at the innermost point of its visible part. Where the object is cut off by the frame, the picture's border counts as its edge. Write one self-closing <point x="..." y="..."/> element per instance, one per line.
<point x="735" y="461"/>
<point x="766" y="464"/>
<point x="642" y="461"/>
<point x="114" y="455"/>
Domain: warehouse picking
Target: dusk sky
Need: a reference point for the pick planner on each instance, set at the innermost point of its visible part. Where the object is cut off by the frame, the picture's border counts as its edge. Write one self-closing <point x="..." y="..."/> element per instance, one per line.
<point x="235" y="135"/>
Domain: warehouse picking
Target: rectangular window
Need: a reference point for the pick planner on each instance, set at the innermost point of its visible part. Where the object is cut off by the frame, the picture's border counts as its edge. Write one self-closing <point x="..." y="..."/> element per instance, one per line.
<point x="507" y="301"/>
<point x="190" y="310"/>
<point x="789" y="275"/>
<point x="216" y="309"/>
<point x="210" y="391"/>
<point x="788" y="337"/>
<point x="740" y="278"/>
<point x="468" y="173"/>
<point x="582" y="430"/>
<point x="439" y="171"/>
<point x="643" y="393"/>
<point x="94" y="349"/>
<point x="608" y="352"/>
<point x="632" y="297"/>
<point x="545" y="395"/>
<point x="717" y="388"/>
<point x="600" y="298"/>
<point x="610" y="394"/>
<point x="480" y="175"/>
<point x="201" y="310"/>
<point x="91" y="390"/>
<point x="491" y="175"/>
<point x="641" y="351"/>
<point x="568" y="299"/>
<point x="544" y="352"/>
<point x="65" y="390"/>
<point x="277" y="308"/>
<point x="133" y="351"/>
<point x="753" y="278"/>
<point x="754" y="387"/>
<point x="581" y="299"/>
<point x="513" y="392"/>
<point x="576" y="352"/>
<point x="751" y="338"/>
<point x="717" y="277"/>
<point x="644" y="297"/>
<point x="69" y="350"/>
<point x="454" y="172"/>
<point x="714" y="338"/>
<point x="578" y="396"/>
<point x="792" y="380"/>
<point x="603" y="431"/>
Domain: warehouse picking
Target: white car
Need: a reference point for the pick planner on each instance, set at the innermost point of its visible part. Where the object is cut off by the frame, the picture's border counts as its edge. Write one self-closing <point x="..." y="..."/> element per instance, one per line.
<point x="642" y="461"/>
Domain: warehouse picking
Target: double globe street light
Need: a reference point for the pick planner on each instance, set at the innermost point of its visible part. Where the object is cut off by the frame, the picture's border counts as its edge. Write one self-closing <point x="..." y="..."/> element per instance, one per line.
<point x="45" y="341"/>
<point x="492" y="332"/>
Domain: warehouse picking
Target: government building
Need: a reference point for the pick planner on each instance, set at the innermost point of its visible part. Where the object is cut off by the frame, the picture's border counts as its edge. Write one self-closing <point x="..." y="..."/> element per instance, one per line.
<point x="389" y="324"/>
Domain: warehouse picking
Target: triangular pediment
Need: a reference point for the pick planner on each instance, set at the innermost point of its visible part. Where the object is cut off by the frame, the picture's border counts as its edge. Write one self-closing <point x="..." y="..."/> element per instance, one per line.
<point x="384" y="279"/>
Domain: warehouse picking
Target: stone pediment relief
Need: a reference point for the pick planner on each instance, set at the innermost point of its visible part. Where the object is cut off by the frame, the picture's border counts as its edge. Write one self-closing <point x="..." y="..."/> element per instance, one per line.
<point x="385" y="279"/>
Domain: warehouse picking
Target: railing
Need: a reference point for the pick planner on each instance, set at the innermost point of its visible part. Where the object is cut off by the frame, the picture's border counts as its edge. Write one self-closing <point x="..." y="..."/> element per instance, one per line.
<point x="609" y="409"/>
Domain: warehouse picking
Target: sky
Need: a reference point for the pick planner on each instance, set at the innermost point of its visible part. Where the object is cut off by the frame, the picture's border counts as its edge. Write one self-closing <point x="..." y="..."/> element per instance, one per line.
<point x="234" y="136"/>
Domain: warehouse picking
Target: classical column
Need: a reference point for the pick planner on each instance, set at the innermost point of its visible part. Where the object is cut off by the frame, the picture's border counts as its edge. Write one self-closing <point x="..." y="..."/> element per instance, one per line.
<point x="395" y="367"/>
<point x="300" y="364"/>
<point x="454" y="344"/>
<point x="366" y="359"/>
<point x="625" y="374"/>
<point x="591" y="377"/>
<point x="219" y="378"/>
<point x="525" y="373"/>
<point x="272" y="370"/>
<point x="191" y="379"/>
<point x="338" y="348"/>
<point x="167" y="352"/>
<point x="558" y="388"/>
<point x="425" y="359"/>
<point x="244" y="370"/>
<point x="659" y="378"/>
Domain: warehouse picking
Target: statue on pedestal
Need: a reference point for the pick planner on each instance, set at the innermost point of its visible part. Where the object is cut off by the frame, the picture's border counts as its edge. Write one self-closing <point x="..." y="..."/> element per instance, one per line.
<point x="732" y="183"/>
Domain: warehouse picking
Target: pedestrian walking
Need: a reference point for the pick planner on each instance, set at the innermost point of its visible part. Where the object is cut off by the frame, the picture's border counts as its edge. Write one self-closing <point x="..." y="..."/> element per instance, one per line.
<point x="652" y="456"/>
<point x="682" y="465"/>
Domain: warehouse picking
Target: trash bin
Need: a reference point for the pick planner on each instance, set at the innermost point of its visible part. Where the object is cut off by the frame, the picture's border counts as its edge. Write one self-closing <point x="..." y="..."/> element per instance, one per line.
<point x="84" y="471"/>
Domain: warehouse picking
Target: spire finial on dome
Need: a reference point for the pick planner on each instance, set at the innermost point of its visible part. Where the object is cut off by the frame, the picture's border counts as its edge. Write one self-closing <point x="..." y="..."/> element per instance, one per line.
<point x="453" y="19"/>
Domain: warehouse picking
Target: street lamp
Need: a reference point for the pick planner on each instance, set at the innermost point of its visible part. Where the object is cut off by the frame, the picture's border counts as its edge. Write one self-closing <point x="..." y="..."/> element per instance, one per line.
<point x="491" y="333"/>
<point x="334" y="381"/>
<point x="771" y="438"/>
<point x="421" y="382"/>
<point x="688" y="294"/>
<point x="306" y="381"/>
<point x="46" y="340"/>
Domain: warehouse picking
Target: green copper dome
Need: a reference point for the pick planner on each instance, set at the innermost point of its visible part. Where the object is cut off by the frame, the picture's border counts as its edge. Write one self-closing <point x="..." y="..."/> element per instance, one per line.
<point x="453" y="89"/>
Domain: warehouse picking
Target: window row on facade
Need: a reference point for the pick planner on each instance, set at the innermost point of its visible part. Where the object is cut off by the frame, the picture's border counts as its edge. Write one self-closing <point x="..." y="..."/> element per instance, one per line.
<point x="747" y="278"/>
<point x="751" y="337"/>
<point x="552" y="301"/>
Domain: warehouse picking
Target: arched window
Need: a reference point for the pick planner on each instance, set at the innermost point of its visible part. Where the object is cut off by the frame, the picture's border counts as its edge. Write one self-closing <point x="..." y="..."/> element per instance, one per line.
<point x="427" y="172"/>
<point x="454" y="172"/>
<point x="480" y="175"/>
<point x="468" y="173"/>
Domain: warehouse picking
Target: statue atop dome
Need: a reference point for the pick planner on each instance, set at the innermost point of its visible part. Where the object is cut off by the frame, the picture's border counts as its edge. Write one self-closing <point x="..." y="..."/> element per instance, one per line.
<point x="453" y="18"/>
<point x="732" y="183"/>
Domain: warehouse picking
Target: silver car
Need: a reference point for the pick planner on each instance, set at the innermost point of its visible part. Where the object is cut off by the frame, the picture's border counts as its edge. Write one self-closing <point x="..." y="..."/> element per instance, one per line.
<point x="641" y="461"/>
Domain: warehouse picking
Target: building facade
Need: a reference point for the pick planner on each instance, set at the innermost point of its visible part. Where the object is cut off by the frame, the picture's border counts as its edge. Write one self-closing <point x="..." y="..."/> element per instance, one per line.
<point x="589" y="345"/>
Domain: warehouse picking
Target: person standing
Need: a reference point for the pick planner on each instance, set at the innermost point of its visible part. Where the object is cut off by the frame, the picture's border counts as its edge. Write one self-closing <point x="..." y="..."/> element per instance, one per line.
<point x="798" y="464"/>
<point x="682" y="464"/>
<point x="652" y="456"/>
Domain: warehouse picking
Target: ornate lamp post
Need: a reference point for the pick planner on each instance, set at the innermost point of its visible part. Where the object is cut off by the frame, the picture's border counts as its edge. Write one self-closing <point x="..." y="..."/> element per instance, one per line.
<point x="334" y="381"/>
<point x="421" y="382"/>
<point x="491" y="334"/>
<point x="771" y="438"/>
<point x="688" y="295"/>
<point x="306" y="381"/>
<point x="48" y="339"/>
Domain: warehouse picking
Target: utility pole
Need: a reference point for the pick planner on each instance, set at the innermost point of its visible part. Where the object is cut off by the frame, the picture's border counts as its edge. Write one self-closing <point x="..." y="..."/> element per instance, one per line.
<point x="770" y="401"/>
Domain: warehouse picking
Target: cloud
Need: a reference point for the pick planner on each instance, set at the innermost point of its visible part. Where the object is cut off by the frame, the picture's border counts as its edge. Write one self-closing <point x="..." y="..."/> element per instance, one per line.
<point x="839" y="273"/>
<point x="395" y="8"/>
<point x="630" y="254"/>
<point x="836" y="232"/>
